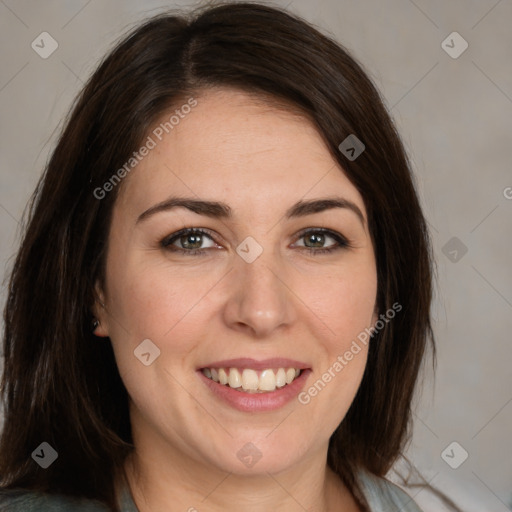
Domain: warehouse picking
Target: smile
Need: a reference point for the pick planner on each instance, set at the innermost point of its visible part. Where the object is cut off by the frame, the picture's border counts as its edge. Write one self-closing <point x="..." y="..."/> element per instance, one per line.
<point x="251" y="385"/>
<point x="248" y="380"/>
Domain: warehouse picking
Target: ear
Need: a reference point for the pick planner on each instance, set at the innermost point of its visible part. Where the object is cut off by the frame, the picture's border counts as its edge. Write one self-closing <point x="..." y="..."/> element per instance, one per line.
<point x="99" y="312"/>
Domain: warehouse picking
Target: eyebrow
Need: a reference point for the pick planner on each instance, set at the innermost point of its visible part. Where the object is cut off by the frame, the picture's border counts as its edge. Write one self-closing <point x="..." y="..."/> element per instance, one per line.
<point x="219" y="210"/>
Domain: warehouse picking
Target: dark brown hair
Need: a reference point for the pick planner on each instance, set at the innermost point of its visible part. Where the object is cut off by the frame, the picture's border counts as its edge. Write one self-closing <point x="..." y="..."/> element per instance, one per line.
<point x="61" y="385"/>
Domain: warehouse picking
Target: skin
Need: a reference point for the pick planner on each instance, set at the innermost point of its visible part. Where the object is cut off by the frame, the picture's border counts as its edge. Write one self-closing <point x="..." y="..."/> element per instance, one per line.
<point x="203" y="308"/>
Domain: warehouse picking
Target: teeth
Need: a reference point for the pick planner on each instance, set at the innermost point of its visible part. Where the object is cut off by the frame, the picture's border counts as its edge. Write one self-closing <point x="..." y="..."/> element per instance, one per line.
<point x="223" y="376"/>
<point x="280" y="378"/>
<point x="248" y="380"/>
<point x="235" y="379"/>
<point x="267" y="380"/>
<point x="290" y="375"/>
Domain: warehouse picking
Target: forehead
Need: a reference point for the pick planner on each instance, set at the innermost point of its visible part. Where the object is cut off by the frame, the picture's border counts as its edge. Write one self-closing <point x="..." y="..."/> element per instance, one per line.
<point x="238" y="148"/>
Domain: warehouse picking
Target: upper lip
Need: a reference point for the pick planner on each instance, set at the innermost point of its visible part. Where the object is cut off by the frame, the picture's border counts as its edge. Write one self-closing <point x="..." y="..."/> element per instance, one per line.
<point x="247" y="362"/>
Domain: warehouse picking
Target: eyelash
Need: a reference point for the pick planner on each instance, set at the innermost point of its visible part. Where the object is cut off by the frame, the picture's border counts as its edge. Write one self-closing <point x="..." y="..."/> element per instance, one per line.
<point x="167" y="242"/>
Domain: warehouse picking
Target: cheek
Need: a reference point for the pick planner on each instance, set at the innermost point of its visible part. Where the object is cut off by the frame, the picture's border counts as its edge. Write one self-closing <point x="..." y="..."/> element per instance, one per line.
<point x="151" y="301"/>
<point x="150" y="304"/>
<point x="344" y="301"/>
<point x="168" y="306"/>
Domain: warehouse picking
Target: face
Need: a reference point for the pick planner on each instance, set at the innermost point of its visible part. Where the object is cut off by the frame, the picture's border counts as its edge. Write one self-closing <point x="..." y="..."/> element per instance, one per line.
<point x="267" y="281"/>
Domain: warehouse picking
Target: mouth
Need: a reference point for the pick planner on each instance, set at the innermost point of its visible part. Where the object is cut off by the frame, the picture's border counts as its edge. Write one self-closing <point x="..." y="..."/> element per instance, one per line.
<point x="248" y="380"/>
<point x="250" y="386"/>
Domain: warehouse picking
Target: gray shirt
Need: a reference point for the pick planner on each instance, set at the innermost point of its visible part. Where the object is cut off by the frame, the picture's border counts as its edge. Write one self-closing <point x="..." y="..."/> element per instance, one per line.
<point x="382" y="496"/>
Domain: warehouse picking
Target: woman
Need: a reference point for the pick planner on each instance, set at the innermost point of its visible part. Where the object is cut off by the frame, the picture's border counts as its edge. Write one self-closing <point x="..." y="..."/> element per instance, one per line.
<point x="221" y="300"/>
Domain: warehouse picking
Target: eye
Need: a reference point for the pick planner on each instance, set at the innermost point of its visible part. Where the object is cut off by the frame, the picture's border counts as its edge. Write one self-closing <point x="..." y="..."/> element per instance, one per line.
<point x="190" y="241"/>
<point x="316" y="238"/>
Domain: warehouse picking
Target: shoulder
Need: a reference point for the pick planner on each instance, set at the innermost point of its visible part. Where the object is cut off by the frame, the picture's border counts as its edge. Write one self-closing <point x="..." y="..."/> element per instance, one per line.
<point x="385" y="495"/>
<point x="22" y="500"/>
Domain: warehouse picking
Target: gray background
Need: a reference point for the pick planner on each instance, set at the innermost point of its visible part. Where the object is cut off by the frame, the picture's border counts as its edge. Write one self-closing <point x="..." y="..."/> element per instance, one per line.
<point x="455" y="116"/>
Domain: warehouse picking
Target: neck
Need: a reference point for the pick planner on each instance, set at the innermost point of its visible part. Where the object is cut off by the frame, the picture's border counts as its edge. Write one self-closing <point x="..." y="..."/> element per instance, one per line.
<point x="159" y="483"/>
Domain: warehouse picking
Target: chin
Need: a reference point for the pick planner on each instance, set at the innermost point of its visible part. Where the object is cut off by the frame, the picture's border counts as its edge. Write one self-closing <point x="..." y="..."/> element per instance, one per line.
<point x="258" y="457"/>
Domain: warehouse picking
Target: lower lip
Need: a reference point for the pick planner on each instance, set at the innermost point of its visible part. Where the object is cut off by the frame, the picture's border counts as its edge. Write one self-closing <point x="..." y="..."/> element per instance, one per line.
<point x="257" y="402"/>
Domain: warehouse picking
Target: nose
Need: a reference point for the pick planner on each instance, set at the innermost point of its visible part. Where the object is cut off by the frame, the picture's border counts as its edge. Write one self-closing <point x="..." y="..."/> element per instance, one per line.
<point x="260" y="301"/>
